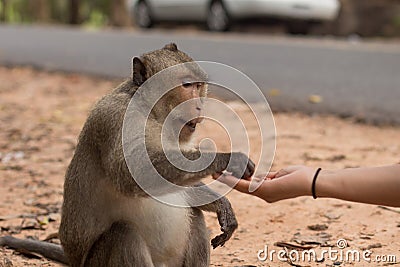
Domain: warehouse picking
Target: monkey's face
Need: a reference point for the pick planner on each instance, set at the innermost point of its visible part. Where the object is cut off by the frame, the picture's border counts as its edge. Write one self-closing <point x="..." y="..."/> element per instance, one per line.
<point x="192" y="94"/>
<point x="181" y="108"/>
<point x="184" y="105"/>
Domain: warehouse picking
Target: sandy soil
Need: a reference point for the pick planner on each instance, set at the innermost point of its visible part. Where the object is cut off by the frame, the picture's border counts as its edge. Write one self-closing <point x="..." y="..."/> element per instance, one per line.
<point x="42" y="114"/>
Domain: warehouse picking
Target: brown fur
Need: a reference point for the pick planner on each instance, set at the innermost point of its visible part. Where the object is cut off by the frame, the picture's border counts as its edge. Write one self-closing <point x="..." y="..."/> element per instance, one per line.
<point x="101" y="220"/>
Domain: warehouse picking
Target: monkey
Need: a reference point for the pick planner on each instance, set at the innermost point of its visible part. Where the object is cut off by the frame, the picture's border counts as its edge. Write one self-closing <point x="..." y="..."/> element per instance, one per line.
<point x="107" y="219"/>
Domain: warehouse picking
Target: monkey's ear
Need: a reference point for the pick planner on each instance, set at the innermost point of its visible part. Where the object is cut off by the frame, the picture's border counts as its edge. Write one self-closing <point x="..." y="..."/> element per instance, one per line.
<point x="171" y="47"/>
<point x="138" y="71"/>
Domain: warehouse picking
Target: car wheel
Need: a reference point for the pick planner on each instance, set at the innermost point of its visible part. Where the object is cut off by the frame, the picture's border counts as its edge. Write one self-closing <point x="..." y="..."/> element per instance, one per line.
<point x="143" y="15"/>
<point x="299" y="27"/>
<point x="218" y="17"/>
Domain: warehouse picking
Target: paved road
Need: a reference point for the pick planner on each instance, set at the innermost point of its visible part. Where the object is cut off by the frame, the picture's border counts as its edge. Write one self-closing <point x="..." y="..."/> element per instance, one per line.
<point x="358" y="79"/>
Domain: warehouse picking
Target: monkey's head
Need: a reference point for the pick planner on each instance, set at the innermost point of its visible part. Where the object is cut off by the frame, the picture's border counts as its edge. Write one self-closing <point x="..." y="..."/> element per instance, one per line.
<point x="187" y="94"/>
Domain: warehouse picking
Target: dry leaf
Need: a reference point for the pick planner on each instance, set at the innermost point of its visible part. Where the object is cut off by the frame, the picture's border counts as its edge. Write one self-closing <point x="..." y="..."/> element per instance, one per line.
<point x="315" y="99"/>
<point x="318" y="227"/>
<point x="274" y="92"/>
<point x="321" y="239"/>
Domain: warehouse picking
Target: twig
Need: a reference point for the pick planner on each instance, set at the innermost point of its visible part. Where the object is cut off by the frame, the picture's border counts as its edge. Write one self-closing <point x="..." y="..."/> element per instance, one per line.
<point x="390" y="209"/>
<point x="293" y="246"/>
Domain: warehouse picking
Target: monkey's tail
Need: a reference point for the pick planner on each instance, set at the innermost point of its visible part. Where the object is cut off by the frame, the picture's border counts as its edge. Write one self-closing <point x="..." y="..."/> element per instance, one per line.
<point x="46" y="249"/>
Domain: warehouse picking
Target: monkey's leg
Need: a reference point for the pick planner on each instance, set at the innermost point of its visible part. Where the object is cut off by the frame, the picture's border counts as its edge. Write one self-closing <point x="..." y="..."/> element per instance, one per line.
<point x="198" y="251"/>
<point x="119" y="246"/>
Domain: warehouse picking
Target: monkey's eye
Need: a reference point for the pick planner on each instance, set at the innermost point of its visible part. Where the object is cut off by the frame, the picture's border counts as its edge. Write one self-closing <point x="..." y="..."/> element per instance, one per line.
<point x="192" y="85"/>
<point x="187" y="84"/>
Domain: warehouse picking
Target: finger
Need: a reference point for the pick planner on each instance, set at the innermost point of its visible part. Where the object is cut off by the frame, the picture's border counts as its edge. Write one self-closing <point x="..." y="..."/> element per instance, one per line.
<point x="270" y="175"/>
<point x="238" y="184"/>
<point x="281" y="172"/>
<point x="247" y="174"/>
<point x="216" y="175"/>
<point x="267" y="176"/>
<point x="252" y="167"/>
<point x="288" y="170"/>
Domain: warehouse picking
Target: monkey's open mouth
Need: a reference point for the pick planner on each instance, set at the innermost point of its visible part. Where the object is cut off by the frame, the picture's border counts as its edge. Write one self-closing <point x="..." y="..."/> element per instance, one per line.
<point x="191" y="125"/>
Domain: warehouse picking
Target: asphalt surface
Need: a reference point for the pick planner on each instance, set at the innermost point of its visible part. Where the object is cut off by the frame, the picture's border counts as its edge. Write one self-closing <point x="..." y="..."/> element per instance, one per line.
<point x="360" y="79"/>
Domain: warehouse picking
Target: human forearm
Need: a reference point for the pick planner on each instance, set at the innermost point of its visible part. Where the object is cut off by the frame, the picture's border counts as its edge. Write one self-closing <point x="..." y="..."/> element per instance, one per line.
<point x="376" y="185"/>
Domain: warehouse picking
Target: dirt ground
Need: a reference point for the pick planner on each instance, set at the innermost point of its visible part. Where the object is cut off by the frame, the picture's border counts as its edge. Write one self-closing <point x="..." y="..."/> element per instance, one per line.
<point x="41" y="115"/>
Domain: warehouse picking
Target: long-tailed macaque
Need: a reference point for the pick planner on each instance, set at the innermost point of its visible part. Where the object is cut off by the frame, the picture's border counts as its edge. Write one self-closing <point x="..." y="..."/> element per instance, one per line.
<point x="107" y="219"/>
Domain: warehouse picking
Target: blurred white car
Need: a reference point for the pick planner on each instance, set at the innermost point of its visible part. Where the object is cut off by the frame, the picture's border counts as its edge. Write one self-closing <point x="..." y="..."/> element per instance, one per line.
<point x="218" y="15"/>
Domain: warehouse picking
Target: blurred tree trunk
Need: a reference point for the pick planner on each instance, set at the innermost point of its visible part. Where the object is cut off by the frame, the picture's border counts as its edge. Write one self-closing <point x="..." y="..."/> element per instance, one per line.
<point x="74" y="11"/>
<point x="40" y="10"/>
<point x="367" y="18"/>
<point x="3" y="10"/>
<point x="119" y="13"/>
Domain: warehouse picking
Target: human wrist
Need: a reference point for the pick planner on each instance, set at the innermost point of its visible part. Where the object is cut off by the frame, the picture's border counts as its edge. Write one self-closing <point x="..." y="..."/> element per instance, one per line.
<point x="325" y="184"/>
<point x="313" y="183"/>
<point x="307" y="180"/>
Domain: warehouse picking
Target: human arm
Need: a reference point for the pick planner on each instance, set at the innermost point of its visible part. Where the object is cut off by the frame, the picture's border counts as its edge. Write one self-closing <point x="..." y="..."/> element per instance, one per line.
<point x="373" y="185"/>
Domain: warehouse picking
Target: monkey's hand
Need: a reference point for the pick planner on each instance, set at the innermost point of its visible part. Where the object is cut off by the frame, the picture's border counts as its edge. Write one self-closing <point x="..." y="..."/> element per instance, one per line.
<point x="240" y="165"/>
<point x="227" y="221"/>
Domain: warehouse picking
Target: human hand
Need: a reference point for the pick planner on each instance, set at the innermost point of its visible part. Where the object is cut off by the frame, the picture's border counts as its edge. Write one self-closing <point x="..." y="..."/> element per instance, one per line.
<point x="290" y="182"/>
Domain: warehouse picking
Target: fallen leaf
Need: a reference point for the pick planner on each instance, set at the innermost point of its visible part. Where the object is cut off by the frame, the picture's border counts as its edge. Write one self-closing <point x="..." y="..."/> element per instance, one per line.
<point x="337" y="158"/>
<point x="30" y="224"/>
<point x="397" y="210"/>
<point x="332" y="216"/>
<point x="293" y="246"/>
<point x="274" y="92"/>
<point x="315" y="99"/>
<point x="236" y="260"/>
<point x="6" y="263"/>
<point x="307" y="156"/>
<point x="43" y="220"/>
<point x="29" y="254"/>
<point x="376" y="245"/>
<point x="318" y="227"/>
<point x="53" y="217"/>
<point x="321" y="239"/>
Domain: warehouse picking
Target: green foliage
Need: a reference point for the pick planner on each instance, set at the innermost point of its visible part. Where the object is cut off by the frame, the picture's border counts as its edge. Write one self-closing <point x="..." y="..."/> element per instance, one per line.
<point x="59" y="11"/>
<point x="16" y="11"/>
<point x="93" y="13"/>
<point x="396" y="21"/>
<point x="96" y="19"/>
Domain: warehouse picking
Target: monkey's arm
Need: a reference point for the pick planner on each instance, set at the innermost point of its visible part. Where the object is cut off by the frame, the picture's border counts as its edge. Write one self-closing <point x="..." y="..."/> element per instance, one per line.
<point x="222" y="207"/>
<point x="190" y="172"/>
